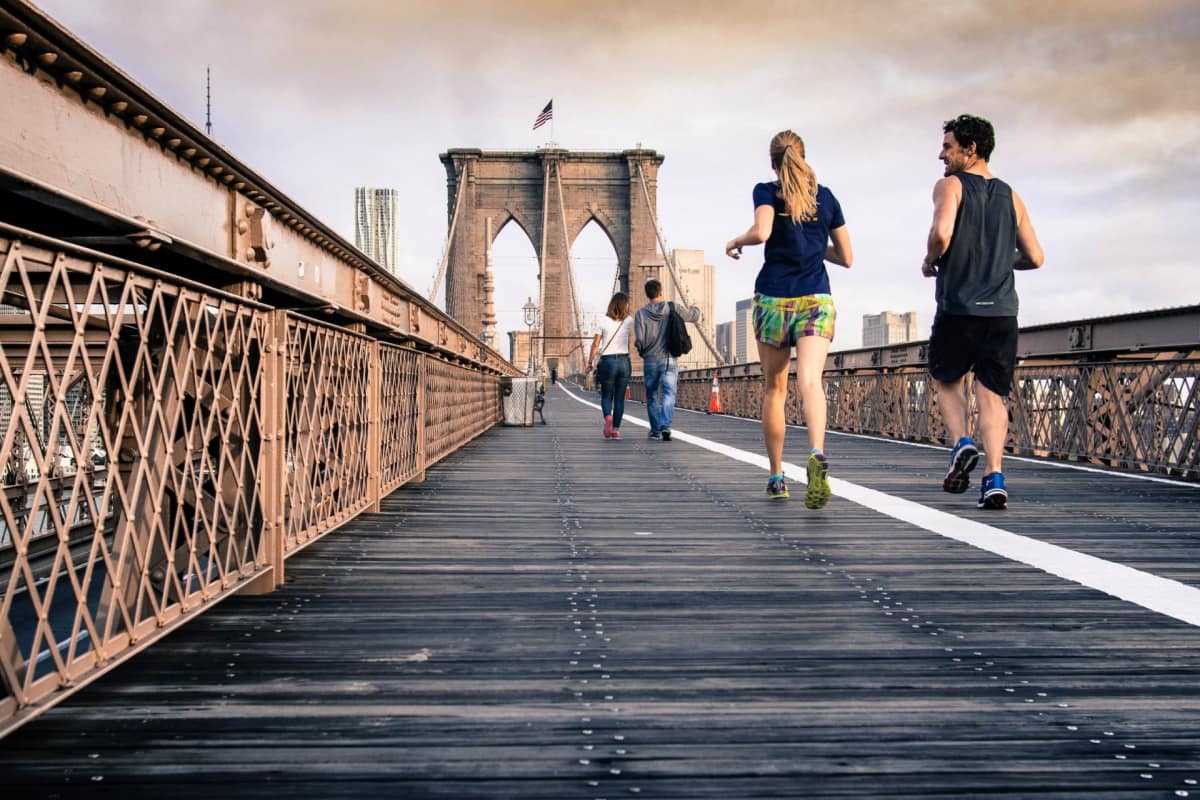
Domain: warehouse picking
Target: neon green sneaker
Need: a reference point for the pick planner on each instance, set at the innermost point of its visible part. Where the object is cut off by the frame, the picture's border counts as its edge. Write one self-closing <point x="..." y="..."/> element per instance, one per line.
<point x="817" y="494"/>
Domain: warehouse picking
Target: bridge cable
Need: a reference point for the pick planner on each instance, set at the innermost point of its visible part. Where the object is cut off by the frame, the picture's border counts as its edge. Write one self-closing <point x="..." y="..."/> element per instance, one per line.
<point x="570" y="266"/>
<point x="671" y="266"/>
<point x="441" y="273"/>
<point x="542" y="274"/>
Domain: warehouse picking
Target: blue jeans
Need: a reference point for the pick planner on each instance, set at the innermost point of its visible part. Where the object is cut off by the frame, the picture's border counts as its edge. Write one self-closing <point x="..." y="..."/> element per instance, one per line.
<point x="661" y="378"/>
<point x="614" y="377"/>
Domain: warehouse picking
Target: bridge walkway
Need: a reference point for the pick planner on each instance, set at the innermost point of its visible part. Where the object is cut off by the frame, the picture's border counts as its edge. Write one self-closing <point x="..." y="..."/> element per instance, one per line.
<point x="555" y="615"/>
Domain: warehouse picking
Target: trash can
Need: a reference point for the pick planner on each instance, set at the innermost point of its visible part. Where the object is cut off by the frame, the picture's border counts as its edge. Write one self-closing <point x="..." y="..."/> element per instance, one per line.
<point x="518" y="395"/>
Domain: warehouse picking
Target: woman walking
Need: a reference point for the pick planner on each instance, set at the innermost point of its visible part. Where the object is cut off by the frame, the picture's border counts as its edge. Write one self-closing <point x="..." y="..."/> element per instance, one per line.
<point x="612" y="344"/>
<point x="802" y="225"/>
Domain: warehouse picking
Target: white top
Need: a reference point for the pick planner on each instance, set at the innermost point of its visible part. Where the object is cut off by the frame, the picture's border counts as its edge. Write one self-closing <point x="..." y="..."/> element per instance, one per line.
<point x="614" y="336"/>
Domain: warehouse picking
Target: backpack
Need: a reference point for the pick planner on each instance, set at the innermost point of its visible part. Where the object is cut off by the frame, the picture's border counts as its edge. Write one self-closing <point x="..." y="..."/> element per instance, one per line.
<point x="678" y="341"/>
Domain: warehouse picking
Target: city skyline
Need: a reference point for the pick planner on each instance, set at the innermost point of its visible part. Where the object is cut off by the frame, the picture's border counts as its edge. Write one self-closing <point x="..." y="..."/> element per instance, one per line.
<point x="1096" y="106"/>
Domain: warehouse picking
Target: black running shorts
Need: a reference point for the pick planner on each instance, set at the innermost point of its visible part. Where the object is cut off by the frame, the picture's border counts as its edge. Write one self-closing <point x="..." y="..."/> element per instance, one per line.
<point x="985" y="345"/>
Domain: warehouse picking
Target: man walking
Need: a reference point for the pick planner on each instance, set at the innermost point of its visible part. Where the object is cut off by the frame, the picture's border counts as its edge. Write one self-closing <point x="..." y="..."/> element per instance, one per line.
<point x="660" y="369"/>
<point x="980" y="234"/>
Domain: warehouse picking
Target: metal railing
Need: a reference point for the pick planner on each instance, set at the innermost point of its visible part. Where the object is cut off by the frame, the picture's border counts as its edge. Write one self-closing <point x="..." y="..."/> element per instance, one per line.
<point x="174" y="427"/>
<point x="165" y="444"/>
<point x="1127" y="409"/>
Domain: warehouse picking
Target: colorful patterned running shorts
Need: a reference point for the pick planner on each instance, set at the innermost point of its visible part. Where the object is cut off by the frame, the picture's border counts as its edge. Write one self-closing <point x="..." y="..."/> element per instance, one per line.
<point x="783" y="321"/>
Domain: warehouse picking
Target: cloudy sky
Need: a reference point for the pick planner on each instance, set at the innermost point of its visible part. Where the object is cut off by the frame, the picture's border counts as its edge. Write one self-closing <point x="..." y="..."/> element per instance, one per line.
<point x="1096" y="105"/>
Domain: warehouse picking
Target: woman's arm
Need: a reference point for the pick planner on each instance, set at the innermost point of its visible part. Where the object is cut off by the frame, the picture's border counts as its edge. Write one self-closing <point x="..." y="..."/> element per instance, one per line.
<point x="595" y="347"/>
<point x="840" y="252"/>
<point x="759" y="232"/>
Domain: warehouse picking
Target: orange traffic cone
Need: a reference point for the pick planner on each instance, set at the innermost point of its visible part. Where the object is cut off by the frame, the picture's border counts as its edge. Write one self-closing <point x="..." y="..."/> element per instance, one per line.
<point x="714" y="399"/>
<point x="628" y="394"/>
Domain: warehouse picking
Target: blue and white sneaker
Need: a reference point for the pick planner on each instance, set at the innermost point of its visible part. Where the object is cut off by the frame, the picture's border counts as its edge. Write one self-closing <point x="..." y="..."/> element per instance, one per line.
<point x="992" y="493"/>
<point x="963" y="459"/>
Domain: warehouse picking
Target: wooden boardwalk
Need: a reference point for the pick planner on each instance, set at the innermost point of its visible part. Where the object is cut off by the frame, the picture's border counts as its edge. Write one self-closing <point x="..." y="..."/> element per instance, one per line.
<point x="554" y="615"/>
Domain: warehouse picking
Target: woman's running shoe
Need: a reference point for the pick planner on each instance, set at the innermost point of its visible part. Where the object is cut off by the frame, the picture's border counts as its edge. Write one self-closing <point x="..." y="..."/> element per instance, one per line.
<point x="817" y="494"/>
<point x="777" y="488"/>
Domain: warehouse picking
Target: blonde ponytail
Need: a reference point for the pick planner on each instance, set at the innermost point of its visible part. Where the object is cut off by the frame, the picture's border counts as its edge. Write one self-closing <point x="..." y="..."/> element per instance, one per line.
<point x="797" y="181"/>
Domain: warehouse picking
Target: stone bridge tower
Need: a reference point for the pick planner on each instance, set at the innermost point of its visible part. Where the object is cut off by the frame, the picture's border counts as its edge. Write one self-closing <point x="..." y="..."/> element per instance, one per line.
<point x="551" y="195"/>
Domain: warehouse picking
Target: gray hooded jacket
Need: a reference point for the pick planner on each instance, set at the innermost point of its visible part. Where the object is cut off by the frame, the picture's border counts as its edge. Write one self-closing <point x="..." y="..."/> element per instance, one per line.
<point x="650" y="328"/>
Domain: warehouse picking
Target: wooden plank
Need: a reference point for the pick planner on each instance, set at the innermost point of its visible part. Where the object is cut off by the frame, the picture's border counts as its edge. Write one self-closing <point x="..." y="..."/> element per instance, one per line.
<point x="509" y="619"/>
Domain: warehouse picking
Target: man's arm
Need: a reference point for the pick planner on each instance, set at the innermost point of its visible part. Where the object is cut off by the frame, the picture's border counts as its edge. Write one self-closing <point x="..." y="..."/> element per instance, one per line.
<point x="1029" y="249"/>
<point x="947" y="194"/>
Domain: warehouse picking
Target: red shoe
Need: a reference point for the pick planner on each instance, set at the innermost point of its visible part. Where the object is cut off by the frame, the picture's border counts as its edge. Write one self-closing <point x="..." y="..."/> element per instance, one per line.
<point x="608" y="428"/>
<point x="616" y="434"/>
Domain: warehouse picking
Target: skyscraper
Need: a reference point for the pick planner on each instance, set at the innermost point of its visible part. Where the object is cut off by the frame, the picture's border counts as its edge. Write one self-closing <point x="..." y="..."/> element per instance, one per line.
<point x="375" y="225"/>
<point x="744" y="348"/>
<point x="698" y="280"/>
<point x="888" y="328"/>
<point x="725" y="334"/>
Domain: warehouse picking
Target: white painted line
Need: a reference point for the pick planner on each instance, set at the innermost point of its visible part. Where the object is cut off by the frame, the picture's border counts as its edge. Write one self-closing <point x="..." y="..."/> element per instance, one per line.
<point x="1162" y="595"/>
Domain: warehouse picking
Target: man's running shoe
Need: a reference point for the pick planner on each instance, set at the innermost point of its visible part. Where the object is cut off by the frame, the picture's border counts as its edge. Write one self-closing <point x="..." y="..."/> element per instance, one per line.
<point x="777" y="488"/>
<point x="992" y="493"/>
<point x="817" y="494"/>
<point x="963" y="459"/>
<point x="666" y="434"/>
<point x="654" y="435"/>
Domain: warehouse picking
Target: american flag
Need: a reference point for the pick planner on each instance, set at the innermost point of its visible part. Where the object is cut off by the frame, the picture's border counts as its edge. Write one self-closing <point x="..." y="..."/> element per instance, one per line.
<point x="544" y="117"/>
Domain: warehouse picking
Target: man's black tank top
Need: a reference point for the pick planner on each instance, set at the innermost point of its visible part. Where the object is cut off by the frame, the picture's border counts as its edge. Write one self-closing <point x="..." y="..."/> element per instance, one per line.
<point x="975" y="274"/>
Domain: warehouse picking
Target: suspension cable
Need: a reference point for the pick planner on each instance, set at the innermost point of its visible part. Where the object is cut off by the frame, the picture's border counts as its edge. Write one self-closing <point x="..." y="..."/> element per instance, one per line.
<point x="542" y="272"/>
<point x="671" y="267"/>
<point x="441" y="273"/>
<point x="570" y="265"/>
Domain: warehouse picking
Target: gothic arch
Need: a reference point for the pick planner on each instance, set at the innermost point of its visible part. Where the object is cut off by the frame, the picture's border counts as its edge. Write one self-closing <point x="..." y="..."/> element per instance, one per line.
<point x="513" y="219"/>
<point x="602" y="220"/>
<point x="551" y="194"/>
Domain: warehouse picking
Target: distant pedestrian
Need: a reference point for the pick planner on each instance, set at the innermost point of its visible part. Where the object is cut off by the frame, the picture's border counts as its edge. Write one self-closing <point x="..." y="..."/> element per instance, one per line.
<point x="980" y="234"/>
<point x="660" y="369"/>
<point x="802" y="225"/>
<point x="613" y="368"/>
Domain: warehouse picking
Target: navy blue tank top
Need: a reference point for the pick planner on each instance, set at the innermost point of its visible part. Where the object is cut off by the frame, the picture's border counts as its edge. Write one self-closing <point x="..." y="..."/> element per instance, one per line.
<point x="975" y="274"/>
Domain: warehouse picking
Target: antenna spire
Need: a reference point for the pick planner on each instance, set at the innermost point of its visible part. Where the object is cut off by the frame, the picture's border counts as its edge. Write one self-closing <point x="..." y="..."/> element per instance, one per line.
<point x="208" y="101"/>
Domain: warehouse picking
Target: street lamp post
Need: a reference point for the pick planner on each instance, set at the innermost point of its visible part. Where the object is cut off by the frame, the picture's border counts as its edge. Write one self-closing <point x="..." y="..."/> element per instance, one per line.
<point x="532" y="316"/>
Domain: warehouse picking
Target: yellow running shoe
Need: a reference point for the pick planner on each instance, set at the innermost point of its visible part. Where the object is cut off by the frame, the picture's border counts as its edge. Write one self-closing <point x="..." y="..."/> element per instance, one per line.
<point x="817" y="494"/>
